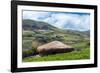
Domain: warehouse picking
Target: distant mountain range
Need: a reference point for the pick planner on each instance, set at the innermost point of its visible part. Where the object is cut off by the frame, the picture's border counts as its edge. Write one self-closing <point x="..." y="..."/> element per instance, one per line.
<point x="32" y="25"/>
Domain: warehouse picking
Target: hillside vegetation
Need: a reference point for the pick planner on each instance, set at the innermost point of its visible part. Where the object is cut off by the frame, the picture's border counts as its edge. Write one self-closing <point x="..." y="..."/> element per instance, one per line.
<point x="36" y="33"/>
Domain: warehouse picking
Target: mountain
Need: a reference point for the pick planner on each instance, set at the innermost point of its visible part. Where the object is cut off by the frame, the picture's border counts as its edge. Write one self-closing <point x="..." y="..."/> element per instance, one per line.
<point x="33" y="25"/>
<point x="87" y="32"/>
<point x="36" y="25"/>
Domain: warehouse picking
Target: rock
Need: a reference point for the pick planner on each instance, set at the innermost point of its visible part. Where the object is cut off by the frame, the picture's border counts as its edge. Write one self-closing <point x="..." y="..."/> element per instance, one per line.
<point x="53" y="47"/>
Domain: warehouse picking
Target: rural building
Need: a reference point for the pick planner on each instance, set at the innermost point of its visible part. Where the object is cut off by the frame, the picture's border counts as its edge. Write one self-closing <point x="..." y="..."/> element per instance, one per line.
<point x="54" y="47"/>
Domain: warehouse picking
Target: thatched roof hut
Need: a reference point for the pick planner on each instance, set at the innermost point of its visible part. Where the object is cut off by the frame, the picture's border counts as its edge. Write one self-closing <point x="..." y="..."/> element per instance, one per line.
<point x="53" y="47"/>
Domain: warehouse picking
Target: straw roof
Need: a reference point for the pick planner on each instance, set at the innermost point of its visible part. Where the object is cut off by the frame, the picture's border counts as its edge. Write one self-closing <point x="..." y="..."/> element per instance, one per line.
<point x="53" y="46"/>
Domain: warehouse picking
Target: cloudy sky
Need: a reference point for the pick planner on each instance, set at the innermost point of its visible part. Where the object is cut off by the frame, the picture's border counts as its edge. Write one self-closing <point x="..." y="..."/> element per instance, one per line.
<point x="63" y="20"/>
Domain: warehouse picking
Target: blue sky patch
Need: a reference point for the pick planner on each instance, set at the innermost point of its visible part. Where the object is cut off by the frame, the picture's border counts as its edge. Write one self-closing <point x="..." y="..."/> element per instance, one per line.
<point x="62" y="20"/>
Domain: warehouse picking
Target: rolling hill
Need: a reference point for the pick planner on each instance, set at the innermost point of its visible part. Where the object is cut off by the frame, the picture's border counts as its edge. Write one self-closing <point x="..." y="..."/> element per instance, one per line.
<point x="36" y="33"/>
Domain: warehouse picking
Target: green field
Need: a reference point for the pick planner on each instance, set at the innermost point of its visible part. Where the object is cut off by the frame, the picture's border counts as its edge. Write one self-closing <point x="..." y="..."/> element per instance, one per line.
<point x="84" y="54"/>
<point x="81" y="46"/>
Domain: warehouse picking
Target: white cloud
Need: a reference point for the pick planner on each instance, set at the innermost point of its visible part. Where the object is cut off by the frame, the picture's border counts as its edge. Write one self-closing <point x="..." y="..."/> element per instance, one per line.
<point x="35" y="15"/>
<point x="74" y="21"/>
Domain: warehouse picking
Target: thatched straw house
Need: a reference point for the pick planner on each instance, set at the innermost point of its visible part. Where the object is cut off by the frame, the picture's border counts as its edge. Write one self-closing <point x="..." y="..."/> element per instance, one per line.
<point x="53" y="47"/>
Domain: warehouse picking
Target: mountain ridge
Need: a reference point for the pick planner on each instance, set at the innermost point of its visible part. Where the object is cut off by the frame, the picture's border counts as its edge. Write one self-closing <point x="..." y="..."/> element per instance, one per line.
<point x="33" y="25"/>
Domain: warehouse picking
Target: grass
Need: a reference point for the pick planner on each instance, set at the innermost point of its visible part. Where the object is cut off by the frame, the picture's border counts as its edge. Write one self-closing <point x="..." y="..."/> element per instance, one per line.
<point x="32" y="39"/>
<point x="83" y="54"/>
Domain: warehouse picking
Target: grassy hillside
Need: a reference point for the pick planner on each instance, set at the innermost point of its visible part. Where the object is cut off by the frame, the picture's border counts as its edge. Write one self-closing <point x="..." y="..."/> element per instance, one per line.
<point x="36" y="33"/>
